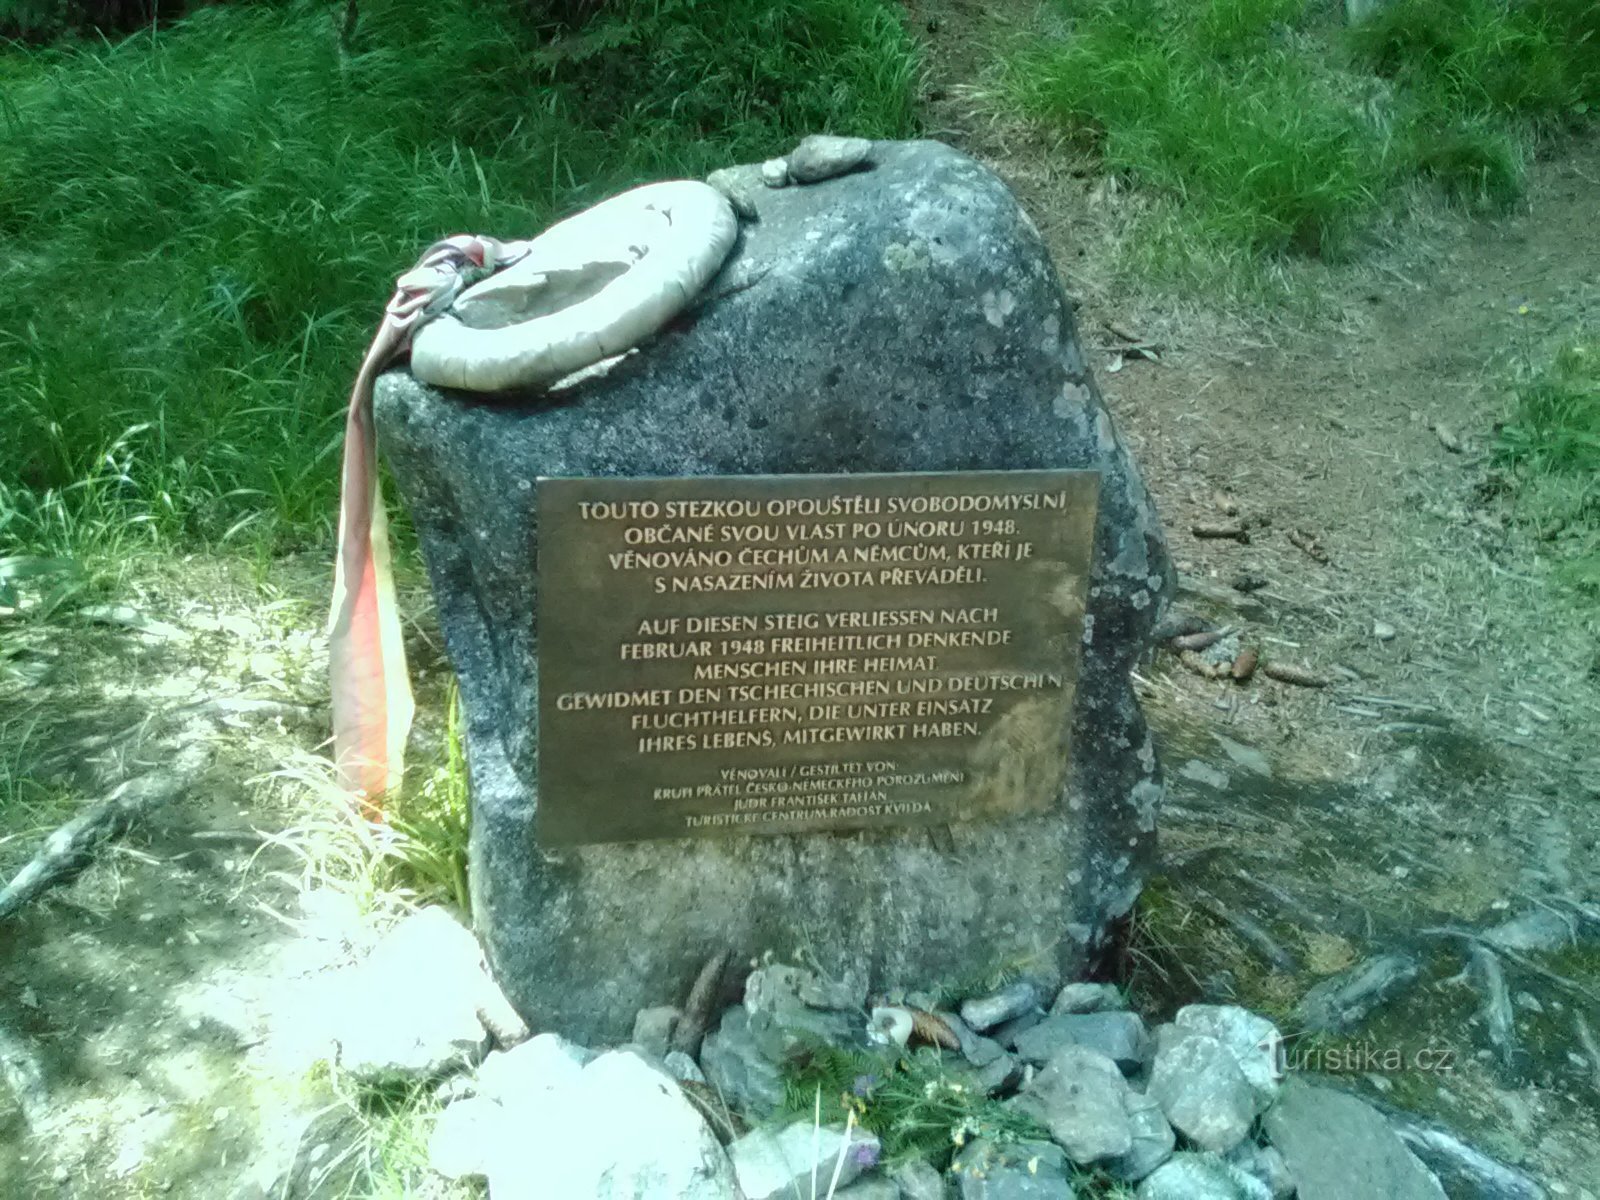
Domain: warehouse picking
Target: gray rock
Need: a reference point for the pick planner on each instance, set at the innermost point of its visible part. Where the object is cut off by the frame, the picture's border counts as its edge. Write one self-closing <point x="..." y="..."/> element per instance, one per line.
<point x="777" y="1164"/>
<point x="985" y="1012"/>
<point x="652" y="1029"/>
<point x="542" y="1064"/>
<point x="410" y="1011"/>
<point x="683" y="1068"/>
<point x="1254" y="1041"/>
<point x="740" y="1069"/>
<point x="1205" y="1177"/>
<point x="999" y="1076"/>
<point x="1263" y="1163"/>
<point x="1341" y="1002"/>
<point x="741" y="185"/>
<point x="1336" y="1146"/>
<point x="1202" y="1091"/>
<point x="1080" y="1097"/>
<point x="1153" y="1139"/>
<point x="986" y="1170"/>
<point x="873" y="1187"/>
<point x="1088" y="998"/>
<point x="848" y="331"/>
<point x="775" y="173"/>
<point x="847" y="994"/>
<point x="822" y="156"/>
<point x="1007" y="1032"/>
<point x="1120" y="1036"/>
<point x="617" y="1130"/>
<point x="782" y="1021"/>
<point x="982" y="1051"/>
<point x="920" y="1180"/>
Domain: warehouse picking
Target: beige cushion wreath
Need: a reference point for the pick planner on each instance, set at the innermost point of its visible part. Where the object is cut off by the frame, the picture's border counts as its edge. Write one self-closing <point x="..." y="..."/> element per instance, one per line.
<point x="586" y="289"/>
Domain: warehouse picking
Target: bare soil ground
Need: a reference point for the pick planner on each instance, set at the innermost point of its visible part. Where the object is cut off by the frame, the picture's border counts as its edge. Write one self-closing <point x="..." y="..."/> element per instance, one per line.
<point x="152" y="1015"/>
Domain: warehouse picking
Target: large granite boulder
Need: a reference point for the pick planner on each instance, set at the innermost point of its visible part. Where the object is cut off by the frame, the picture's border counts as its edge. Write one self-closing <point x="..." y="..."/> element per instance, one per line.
<point x="904" y="317"/>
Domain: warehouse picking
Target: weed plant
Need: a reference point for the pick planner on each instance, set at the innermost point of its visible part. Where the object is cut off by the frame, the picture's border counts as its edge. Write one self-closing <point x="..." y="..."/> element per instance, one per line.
<point x="916" y="1103"/>
<point x="203" y="220"/>
<point x="1260" y="133"/>
<point x="1551" y="445"/>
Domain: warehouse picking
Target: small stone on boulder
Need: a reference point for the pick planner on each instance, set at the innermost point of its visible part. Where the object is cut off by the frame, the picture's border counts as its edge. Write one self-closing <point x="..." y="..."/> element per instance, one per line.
<point x="1202" y="1091"/>
<point x="1080" y="1098"/>
<point x="740" y="186"/>
<point x="777" y="1165"/>
<point x="822" y="156"/>
<point x="1087" y="998"/>
<point x="1204" y="1177"/>
<point x="775" y="173"/>
<point x="1120" y="1036"/>
<point x="1337" y="1146"/>
<point x="986" y="1170"/>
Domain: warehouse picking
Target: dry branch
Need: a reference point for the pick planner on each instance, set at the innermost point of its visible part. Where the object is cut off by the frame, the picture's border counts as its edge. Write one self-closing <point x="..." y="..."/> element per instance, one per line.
<point x="70" y="849"/>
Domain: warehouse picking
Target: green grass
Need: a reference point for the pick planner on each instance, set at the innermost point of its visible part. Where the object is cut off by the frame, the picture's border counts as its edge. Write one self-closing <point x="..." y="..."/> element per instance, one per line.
<point x="1261" y="133"/>
<point x="918" y="1104"/>
<point x="1551" y="445"/>
<point x="202" y="223"/>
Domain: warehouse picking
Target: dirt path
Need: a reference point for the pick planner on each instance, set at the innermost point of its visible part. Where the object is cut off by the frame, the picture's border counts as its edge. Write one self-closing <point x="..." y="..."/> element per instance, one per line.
<point x="1448" y="777"/>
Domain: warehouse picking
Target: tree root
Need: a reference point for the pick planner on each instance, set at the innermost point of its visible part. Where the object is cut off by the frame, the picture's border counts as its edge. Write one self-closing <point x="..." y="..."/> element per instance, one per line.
<point x="71" y="848"/>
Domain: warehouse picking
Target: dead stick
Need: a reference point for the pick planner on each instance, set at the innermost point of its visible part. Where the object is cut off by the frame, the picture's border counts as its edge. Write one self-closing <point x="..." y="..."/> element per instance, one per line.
<point x="70" y="849"/>
<point x="697" y="1008"/>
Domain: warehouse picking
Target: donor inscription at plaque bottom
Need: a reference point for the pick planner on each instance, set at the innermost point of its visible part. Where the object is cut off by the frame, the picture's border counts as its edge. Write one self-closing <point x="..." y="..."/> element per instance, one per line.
<point x="799" y="653"/>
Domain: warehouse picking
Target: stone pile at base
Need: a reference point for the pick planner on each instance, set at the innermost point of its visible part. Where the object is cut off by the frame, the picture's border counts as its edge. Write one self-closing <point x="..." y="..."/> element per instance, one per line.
<point x="1032" y="1096"/>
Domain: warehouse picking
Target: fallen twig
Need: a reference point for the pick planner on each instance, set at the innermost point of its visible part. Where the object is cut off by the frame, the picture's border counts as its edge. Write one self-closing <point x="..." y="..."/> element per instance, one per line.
<point x="697" y="1009"/>
<point x="1298" y="676"/>
<point x="1230" y="529"/>
<point x="70" y="849"/>
<point x="1308" y="545"/>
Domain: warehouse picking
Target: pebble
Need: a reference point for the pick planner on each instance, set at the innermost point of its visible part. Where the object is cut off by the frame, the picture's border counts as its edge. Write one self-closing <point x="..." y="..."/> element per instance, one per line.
<point x="822" y="156"/>
<point x="775" y="173"/>
<point x="1383" y="631"/>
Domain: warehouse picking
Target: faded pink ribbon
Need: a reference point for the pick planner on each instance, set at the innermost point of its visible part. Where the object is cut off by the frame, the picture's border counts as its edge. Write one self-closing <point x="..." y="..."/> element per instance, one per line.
<point x="372" y="703"/>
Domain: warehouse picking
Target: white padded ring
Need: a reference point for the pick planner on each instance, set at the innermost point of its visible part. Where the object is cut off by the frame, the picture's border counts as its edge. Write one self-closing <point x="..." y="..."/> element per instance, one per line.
<point x="587" y="288"/>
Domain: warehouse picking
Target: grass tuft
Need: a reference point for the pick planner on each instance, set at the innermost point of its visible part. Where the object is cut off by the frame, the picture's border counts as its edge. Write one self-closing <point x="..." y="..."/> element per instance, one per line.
<point x="1257" y="134"/>
<point x="1551" y="445"/>
<point x="203" y="220"/>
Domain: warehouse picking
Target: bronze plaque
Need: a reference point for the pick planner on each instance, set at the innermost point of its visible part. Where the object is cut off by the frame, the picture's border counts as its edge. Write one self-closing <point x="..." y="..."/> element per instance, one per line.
<point x="797" y="653"/>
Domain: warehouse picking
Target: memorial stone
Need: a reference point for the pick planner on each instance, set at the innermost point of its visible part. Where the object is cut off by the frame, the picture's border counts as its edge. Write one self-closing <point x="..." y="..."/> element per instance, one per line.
<point x="935" y="765"/>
